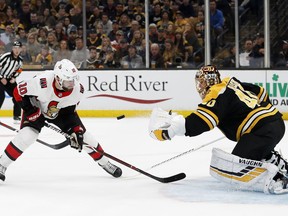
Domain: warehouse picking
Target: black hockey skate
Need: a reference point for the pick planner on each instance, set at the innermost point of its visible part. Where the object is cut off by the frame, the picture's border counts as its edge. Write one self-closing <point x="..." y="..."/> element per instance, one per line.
<point x="2" y="172"/>
<point x="112" y="169"/>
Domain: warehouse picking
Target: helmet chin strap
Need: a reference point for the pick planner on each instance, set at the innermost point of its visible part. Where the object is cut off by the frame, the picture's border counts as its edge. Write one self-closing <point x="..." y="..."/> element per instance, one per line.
<point x="57" y="85"/>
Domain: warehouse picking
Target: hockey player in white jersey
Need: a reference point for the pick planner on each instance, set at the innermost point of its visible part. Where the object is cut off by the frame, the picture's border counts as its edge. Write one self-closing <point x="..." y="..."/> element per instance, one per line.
<point x="53" y="97"/>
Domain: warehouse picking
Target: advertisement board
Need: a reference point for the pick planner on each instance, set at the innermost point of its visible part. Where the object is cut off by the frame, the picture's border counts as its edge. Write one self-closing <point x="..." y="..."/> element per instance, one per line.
<point x="143" y="90"/>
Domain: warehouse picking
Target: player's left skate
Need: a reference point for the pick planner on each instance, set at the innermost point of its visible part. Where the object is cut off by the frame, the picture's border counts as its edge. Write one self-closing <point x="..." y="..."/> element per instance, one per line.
<point x="112" y="169"/>
<point x="2" y="172"/>
<point x="17" y="119"/>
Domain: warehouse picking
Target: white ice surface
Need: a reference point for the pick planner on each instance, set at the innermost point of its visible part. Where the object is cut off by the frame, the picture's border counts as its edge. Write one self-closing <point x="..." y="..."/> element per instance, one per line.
<point x="47" y="182"/>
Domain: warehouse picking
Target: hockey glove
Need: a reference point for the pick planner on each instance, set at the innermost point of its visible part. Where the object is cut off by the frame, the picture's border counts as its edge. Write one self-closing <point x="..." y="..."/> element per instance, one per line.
<point x="77" y="138"/>
<point x="165" y="125"/>
<point x="35" y="118"/>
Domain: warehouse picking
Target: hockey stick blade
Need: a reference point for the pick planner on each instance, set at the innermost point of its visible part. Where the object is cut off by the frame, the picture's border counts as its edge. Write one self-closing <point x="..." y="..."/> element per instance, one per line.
<point x="53" y="146"/>
<point x="169" y="179"/>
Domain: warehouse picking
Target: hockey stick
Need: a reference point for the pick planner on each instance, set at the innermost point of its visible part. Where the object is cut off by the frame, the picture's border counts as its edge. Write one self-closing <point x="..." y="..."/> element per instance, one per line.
<point x="187" y="152"/>
<point x="53" y="146"/>
<point x="169" y="179"/>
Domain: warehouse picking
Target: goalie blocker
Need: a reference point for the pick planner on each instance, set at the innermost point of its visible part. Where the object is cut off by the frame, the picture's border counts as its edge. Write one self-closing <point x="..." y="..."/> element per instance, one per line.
<point x="246" y="174"/>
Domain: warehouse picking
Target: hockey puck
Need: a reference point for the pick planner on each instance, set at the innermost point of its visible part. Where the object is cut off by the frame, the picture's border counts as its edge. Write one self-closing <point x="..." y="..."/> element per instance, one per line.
<point x="120" y="117"/>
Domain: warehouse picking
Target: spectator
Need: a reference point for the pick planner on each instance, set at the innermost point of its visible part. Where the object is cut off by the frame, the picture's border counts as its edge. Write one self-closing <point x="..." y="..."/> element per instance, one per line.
<point x="180" y="22"/>
<point x="93" y="62"/>
<point x="76" y="16"/>
<point x="16" y="24"/>
<point x="106" y="24"/>
<point x="137" y="38"/>
<point x="110" y="9"/>
<point x="119" y="36"/>
<point x="72" y="35"/>
<point x="156" y="58"/>
<point x="257" y="54"/>
<point x="153" y="33"/>
<point x="7" y="35"/>
<point x="122" y="50"/>
<point x="52" y="42"/>
<point x="167" y="6"/>
<point x="100" y="31"/>
<point x="44" y="58"/>
<point x="134" y="27"/>
<point x="225" y="58"/>
<point x="60" y="32"/>
<point x="156" y="13"/>
<point x="199" y="25"/>
<point x="24" y="15"/>
<point x="80" y="54"/>
<point x="105" y="45"/>
<point x="34" y="22"/>
<point x="139" y="15"/>
<point x="120" y="9"/>
<point x="216" y="20"/>
<point x="125" y="23"/>
<point x="42" y="35"/>
<point x="282" y="57"/>
<point x="21" y="36"/>
<point x="27" y="59"/>
<point x="132" y="60"/>
<point x="165" y="21"/>
<point x="130" y="8"/>
<point x="109" y="62"/>
<point x="174" y="10"/>
<point x="95" y="18"/>
<point x="187" y="9"/>
<point x="161" y="37"/>
<point x="33" y="47"/>
<point x="62" y="52"/>
<point x="115" y="28"/>
<point x="170" y="32"/>
<point x="191" y="42"/>
<point x="47" y="19"/>
<point x="94" y="39"/>
<point x="244" y="59"/>
<point x="180" y="47"/>
<point x="169" y="54"/>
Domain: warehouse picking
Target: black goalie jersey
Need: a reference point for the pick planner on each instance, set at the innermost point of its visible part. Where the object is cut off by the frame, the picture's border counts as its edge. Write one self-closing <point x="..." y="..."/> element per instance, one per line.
<point x="235" y="108"/>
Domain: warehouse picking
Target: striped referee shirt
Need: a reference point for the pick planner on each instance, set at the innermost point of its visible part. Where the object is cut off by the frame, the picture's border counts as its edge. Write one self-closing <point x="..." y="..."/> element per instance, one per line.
<point x="10" y="67"/>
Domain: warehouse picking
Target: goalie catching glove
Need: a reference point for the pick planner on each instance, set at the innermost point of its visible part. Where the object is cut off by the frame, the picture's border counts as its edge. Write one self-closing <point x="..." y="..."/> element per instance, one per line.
<point x="165" y="125"/>
<point x="77" y="138"/>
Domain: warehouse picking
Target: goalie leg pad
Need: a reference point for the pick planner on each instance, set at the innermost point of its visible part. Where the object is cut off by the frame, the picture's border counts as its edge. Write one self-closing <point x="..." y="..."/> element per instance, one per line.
<point x="242" y="173"/>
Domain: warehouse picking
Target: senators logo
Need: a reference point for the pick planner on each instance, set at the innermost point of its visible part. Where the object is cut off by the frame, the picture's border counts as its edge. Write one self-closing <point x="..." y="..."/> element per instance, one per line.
<point x="52" y="110"/>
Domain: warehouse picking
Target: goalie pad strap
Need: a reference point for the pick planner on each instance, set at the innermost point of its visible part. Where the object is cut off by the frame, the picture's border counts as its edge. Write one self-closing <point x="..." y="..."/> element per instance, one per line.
<point x="242" y="173"/>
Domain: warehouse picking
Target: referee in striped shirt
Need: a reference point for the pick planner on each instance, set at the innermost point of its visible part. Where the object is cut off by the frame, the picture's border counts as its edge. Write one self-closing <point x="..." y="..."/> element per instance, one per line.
<point x="10" y="68"/>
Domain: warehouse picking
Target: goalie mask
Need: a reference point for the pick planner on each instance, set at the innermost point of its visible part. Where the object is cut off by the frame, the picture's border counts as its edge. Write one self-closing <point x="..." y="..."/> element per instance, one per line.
<point x="206" y="77"/>
<point x="65" y="74"/>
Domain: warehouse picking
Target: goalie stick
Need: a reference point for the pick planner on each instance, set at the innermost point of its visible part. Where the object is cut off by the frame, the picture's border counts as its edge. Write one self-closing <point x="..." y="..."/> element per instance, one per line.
<point x="169" y="179"/>
<point x="53" y="146"/>
<point x="187" y="152"/>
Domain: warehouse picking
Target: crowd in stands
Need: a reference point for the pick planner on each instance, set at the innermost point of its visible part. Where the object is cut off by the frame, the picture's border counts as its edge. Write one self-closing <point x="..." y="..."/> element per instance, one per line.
<point x="51" y="30"/>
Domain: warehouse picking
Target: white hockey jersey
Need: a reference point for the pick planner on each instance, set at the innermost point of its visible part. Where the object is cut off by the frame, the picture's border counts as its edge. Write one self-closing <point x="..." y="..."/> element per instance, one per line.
<point x="47" y="97"/>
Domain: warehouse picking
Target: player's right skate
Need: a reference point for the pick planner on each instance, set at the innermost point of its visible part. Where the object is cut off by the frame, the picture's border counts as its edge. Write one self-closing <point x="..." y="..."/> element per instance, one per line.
<point x="112" y="169"/>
